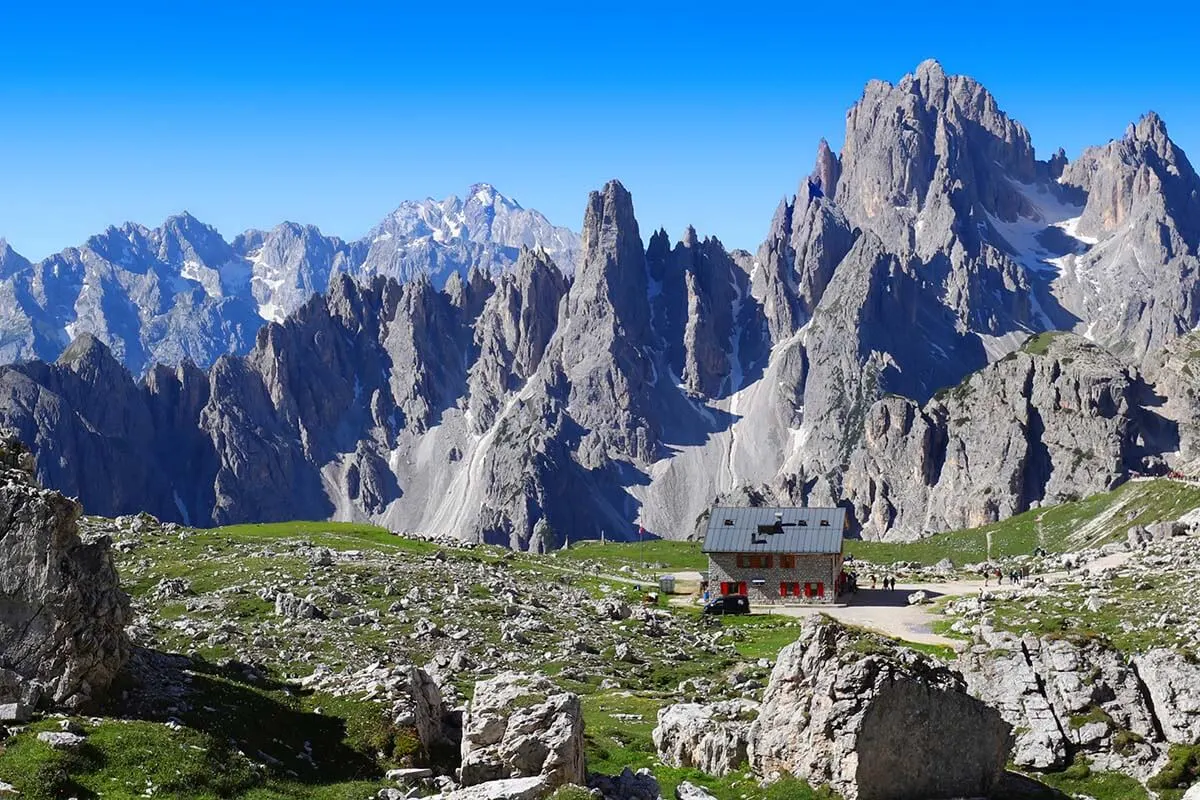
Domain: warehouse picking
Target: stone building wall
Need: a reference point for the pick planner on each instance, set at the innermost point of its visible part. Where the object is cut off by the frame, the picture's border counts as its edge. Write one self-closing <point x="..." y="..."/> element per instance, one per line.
<point x="810" y="568"/>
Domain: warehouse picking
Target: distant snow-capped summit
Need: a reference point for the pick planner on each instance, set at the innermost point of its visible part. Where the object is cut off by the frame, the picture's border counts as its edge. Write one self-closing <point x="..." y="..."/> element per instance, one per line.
<point x="181" y="291"/>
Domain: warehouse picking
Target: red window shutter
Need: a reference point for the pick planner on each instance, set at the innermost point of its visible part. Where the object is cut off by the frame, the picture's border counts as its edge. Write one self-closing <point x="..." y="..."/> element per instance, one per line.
<point x="742" y="587"/>
<point x="783" y="590"/>
<point x="739" y="560"/>
<point x="821" y="589"/>
<point x="795" y="589"/>
<point x="770" y="560"/>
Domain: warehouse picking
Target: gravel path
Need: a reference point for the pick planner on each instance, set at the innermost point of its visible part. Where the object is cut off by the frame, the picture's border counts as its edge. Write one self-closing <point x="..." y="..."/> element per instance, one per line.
<point x="889" y="613"/>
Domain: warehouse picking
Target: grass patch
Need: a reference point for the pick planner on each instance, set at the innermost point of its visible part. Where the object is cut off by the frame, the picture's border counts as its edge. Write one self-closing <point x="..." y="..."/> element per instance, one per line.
<point x="125" y="759"/>
<point x="1182" y="770"/>
<point x="1039" y="343"/>
<point x="334" y="535"/>
<point x="1091" y="522"/>
<point x="660" y="554"/>
<point x="1078" y="780"/>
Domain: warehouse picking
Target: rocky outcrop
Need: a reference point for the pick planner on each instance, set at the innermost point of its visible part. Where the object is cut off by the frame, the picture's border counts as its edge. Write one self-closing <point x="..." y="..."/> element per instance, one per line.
<point x="1065" y="697"/>
<point x="522" y="726"/>
<point x="62" y="626"/>
<point x="1071" y="696"/>
<point x="1172" y="691"/>
<point x="874" y="721"/>
<point x="531" y="788"/>
<point x="1058" y="420"/>
<point x="711" y="738"/>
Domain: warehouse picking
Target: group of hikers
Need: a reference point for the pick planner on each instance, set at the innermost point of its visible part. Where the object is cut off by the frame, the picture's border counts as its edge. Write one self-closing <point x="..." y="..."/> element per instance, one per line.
<point x="849" y="581"/>
<point x="1016" y="576"/>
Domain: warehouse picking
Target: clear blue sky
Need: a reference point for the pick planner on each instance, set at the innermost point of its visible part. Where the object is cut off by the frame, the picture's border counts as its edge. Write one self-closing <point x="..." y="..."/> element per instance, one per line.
<point x="247" y="115"/>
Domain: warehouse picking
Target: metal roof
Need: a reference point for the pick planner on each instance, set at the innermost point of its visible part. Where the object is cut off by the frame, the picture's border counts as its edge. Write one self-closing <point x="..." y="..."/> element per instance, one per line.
<point x="754" y="530"/>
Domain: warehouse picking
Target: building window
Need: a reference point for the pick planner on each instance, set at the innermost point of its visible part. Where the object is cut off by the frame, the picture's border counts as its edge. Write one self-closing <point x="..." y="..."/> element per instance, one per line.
<point x="754" y="561"/>
<point x="787" y="561"/>
<point x="824" y="523"/>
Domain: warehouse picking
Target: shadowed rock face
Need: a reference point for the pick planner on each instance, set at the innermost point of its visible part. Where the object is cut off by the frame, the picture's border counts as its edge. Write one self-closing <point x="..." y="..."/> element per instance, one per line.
<point x="62" y="612"/>
<point x="874" y="721"/>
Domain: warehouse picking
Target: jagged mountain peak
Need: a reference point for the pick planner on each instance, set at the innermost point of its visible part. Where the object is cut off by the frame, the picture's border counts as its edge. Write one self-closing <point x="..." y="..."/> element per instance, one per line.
<point x="91" y="355"/>
<point x="611" y="244"/>
<point x="184" y="220"/>
<point x="7" y="252"/>
<point x="487" y="195"/>
<point x="906" y="146"/>
<point x="1151" y="129"/>
<point x="822" y="182"/>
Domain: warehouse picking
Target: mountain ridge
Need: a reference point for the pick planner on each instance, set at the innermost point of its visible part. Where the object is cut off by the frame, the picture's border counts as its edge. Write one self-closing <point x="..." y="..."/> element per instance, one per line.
<point x="507" y="406"/>
<point x="181" y="291"/>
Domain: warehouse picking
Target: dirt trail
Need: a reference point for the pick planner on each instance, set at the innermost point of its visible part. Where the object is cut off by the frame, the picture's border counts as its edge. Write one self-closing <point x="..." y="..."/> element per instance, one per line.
<point x="889" y="613"/>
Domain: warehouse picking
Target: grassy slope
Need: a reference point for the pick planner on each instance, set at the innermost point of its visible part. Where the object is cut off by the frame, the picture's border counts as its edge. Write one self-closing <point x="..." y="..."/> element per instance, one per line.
<point x="1091" y="522"/>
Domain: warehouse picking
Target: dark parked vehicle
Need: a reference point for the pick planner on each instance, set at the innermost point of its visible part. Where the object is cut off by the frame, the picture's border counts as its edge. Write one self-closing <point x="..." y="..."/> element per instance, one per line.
<point x="729" y="604"/>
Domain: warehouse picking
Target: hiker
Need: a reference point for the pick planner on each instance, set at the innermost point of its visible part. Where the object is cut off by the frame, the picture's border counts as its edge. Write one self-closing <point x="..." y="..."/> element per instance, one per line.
<point x="872" y="580"/>
<point x="985" y="574"/>
<point x="999" y="577"/>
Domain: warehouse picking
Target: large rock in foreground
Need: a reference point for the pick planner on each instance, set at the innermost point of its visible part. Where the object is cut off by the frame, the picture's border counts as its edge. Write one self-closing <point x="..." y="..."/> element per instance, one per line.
<point x="875" y="721"/>
<point x="711" y="738"/>
<point x="523" y="726"/>
<point x="62" y="611"/>
<point x="1068" y="697"/>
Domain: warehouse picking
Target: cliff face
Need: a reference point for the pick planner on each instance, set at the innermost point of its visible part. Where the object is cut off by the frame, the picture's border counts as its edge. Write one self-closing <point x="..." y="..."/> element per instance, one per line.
<point x="1055" y="421"/>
